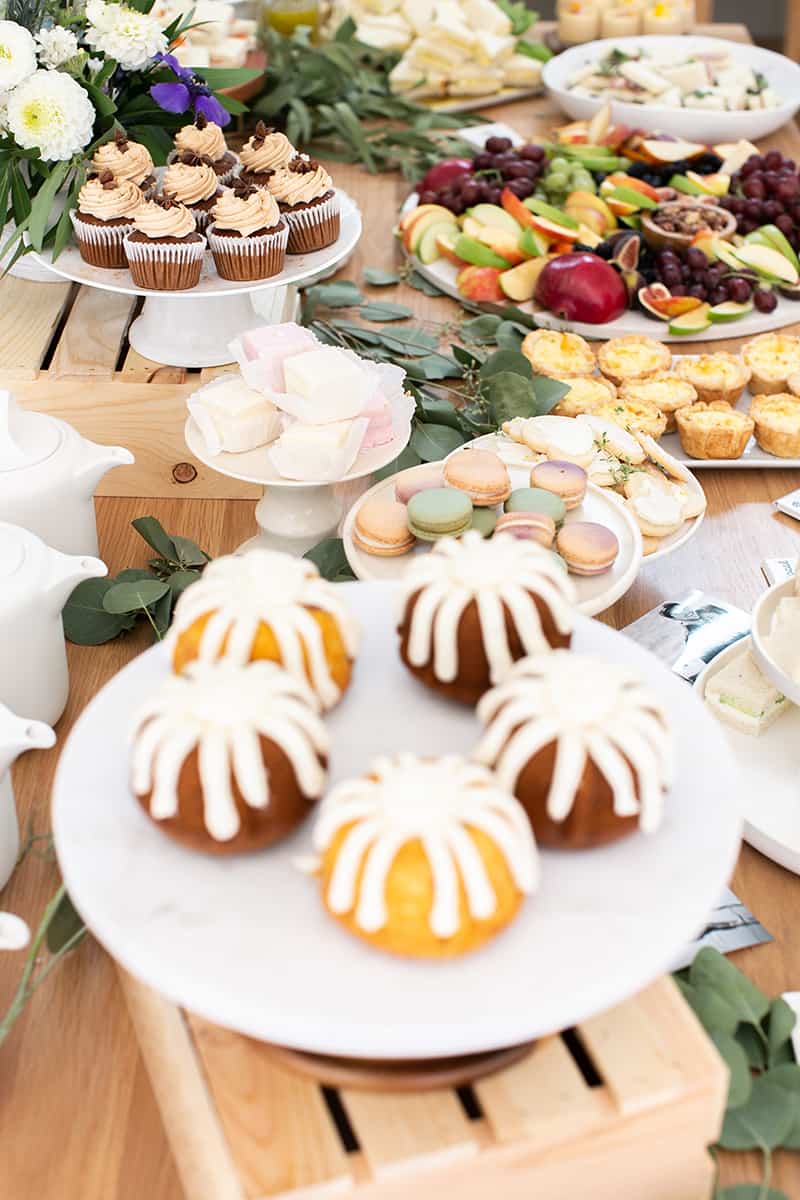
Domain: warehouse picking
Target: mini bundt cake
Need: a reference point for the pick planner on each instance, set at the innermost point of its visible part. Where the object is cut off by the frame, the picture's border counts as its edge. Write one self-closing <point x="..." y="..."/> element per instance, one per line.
<point x="267" y="605"/>
<point x="427" y="858"/>
<point x="584" y="745"/>
<point x="228" y="757"/>
<point x="473" y="607"/>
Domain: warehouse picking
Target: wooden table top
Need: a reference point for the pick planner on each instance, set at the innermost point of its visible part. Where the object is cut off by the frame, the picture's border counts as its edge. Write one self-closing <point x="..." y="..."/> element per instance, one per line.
<point x="77" y="1114"/>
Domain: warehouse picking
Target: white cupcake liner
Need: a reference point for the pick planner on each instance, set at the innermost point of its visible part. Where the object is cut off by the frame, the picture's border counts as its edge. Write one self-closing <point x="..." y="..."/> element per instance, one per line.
<point x="304" y="225"/>
<point x="100" y="235"/>
<point x="171" y="256"/>
<point x="250" y="248"/>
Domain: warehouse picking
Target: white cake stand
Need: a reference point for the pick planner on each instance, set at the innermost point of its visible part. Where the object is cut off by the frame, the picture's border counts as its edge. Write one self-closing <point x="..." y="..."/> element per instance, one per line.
<point x="194" y="328"/>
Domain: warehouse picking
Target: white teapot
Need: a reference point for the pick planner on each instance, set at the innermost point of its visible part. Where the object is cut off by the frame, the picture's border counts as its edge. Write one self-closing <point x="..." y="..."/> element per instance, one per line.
<point x="48" y="474"/>
<point x="35" y="583"/>
<point x="16" y="736"/>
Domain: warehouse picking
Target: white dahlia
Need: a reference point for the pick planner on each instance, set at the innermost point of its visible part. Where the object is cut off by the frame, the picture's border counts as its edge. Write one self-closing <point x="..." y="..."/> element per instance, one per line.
<point x="130" y="37"/>
<point x="3" y="112"/>
<point x="17" y="54"/>
<point x="51" y="113"/>
<point x="56" y="46"/>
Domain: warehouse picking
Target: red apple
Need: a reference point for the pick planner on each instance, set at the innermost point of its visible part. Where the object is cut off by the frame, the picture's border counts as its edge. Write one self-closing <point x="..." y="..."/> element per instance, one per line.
<point x="443" y="173"/>
<point x="582" y="287"/>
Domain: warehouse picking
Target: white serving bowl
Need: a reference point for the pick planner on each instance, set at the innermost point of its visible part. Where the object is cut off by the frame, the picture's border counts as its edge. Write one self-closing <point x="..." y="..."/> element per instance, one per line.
<point x="763" y="614"/>
<point x="698" y="125"/>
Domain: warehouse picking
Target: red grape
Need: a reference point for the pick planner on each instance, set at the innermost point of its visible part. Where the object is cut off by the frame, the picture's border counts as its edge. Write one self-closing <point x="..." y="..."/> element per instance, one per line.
<point x="754" y="188"/>
<point x="698" y="291"/>
<point x="739" y="289"/>
<point x="497" y="145"/>
<point x="680" y="290"/>
<point x="531" y="152"/>
<point x="772" y="209"/>
<point x="483" y="162"/>
<point x="773" y="159"/>
<point x="752" y="210"/>
<point x="787" y="188"/>
<point x="753" y="163"/>
<point x="719" y="295"/>
<point x="765" y="300"/>
<point x="785" y="223"/>
<point x="696" y="259"/>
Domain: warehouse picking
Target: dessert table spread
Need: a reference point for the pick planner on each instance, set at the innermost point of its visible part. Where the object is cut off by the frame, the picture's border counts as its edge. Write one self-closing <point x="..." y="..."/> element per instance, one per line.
<point x="77" y="1113"/>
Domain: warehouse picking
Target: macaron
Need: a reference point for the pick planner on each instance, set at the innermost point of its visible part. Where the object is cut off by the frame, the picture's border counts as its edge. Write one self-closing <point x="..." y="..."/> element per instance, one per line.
<point x="417" y="479"/>
<point x="536" y="499"/>
<point x="481" y="474"/>
<point x="381" y="527"/>
<point x="564" y="479"/>
<point x="484" y="520"/>
<point x="587" y="548"/>
<point x="529" y="526"/>
<point x="438" y="513"/>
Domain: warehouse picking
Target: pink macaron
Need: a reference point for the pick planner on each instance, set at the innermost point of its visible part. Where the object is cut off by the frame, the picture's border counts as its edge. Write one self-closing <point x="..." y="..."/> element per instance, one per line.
<point x="530" y="526"/>
<point x="563" y="479"/>
<point x="417" y="479"/>
<point x="587" y="548"/>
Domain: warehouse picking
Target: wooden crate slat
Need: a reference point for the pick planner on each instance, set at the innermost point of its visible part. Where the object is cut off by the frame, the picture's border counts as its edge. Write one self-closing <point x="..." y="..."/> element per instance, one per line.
<point x="277" y="1125"/>
<point x="544" y="1098"/>
<point x="408" y="1133"/>
<point x="92" y="335"/>
<point x="152" y="372"/>
<point x="29" y="313"/>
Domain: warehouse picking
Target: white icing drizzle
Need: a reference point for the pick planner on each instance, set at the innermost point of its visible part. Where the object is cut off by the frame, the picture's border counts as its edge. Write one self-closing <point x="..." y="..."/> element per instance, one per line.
<point x="243" y="590"/>
<point x="220" y="709"/>
<point x="592" y="710"/>
<point x="403" y="799"/>
<point x="504" y="572"/>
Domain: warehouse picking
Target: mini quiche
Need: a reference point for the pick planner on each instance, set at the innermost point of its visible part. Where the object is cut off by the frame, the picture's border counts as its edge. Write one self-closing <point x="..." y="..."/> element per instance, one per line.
<point x="559" y="355"/>
<point x="720" y="376"/>
<point x="633" y="357"/>
<point x="637" y="416"/>
<point x="777" y="423"/>
<point x="772" y="358"/>
<point x="713" y="430"/>
<point x="585" y="391"/>
<point x="666" y="390"/>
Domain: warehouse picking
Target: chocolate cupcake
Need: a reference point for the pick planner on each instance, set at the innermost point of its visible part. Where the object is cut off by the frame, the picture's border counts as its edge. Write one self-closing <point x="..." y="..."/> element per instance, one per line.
<point x="126" y="160"/>
<point x="266" y="152"/>
<point x="192" y="180"/>
<point x="165" y="251"/>
<point x="248" y="235"/>
<point x="206" y="138"/>
<point x="104" y="217"/>
<point x="307" y="200"/>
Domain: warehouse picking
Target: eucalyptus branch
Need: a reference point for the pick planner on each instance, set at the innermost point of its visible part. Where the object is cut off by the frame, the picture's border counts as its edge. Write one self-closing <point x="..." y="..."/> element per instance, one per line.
<point x="29" y="982"/>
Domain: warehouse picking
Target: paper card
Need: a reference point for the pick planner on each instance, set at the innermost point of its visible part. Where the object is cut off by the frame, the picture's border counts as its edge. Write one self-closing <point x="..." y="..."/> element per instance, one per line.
<point x="777" y="570"/>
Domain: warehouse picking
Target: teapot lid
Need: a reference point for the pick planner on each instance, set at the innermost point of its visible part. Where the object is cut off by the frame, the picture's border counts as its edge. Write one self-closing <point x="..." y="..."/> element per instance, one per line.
<point x="26" y="438"/>
<point x="20" y="554"/>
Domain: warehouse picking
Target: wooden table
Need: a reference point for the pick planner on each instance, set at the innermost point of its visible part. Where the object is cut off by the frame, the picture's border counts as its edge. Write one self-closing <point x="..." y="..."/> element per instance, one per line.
<point x="77" y="1114"/>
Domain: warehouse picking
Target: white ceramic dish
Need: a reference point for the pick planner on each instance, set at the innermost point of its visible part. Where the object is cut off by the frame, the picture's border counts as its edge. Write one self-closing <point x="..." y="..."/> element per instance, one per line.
<point x="763" y="614"/>
<point x="697" y="125"/>
<point x="766" y="767"/>
<point x="246" y="943"/>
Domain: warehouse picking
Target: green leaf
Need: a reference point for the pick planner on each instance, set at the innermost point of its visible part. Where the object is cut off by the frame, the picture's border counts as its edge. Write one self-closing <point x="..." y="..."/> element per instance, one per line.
<point x="342" y="294"/>
<point x="189" y="553"/>
<point x="101" y="100"/>
<point x="43" y="203"/>
<point x="385" y="312"/>
<point x="161" y="613"/>
<point x="779" y="1025"/>
<point x="510" y="336"/>
<point x="179" y="581"/>
<point x="432" y="366"/>
<point x="129" y="597"/>
<point x="330" y="560"/>
<point x="408" y="340"/>
<point x="435" y="410"/>
<point x="65" y="924"/>
<point x="741" y="1081"/>
<point x="86" y="621"/>
<point x="367" y="337"/>
<point x="421" y="284"/>
<point x="750" y="1191"/>
<point x="787" y="1078"/>
<point x="548" y="392"/>
<point x="432" y="442"/>
<point x="20" y="199"/>
<point x="753" y="1043"/>
<point x="130" y="575"/>
<point x="378" y="278"/>
<point x="505" y="361"/>
<point x="535" y="50"/>
<point x="760" y="1124"/>
<point x="227" y="77"/>
<point x="510" y="396"/>
<point x="481" y="329"/>
<point x="713" y="970"/>
<point x="466" y="357"/>
<point x="405" y="459"/>
<point x="154" y="534"/>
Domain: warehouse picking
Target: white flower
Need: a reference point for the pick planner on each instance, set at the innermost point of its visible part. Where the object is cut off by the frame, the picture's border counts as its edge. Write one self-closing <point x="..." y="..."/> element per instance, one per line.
<point x="130" y="37"/>
<point x="3" y="112"/>
<point x="56" y="46"/>
<point x="17" y="54"/>
<point x="51" y="112"/>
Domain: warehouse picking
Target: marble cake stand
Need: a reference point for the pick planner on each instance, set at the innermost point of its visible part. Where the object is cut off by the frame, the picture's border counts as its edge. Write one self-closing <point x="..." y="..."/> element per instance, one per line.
<point x="194" y="328"/>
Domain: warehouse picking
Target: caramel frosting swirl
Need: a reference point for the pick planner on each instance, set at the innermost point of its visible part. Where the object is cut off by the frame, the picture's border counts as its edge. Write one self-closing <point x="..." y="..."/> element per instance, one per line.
<point x="124" y="159"/>
<point x="267" y="150"/>
<point x="108" y="198"/>
<point x="245" y="211"/>
<point x="190" y="184"/>
<point x="202" y="138"/>
<point x="303" y="180"/>
<point x="164" y="218"/>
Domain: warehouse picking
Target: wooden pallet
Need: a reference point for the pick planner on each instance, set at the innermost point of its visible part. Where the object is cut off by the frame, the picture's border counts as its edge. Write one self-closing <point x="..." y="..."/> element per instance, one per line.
<point x="622" y="1108"/>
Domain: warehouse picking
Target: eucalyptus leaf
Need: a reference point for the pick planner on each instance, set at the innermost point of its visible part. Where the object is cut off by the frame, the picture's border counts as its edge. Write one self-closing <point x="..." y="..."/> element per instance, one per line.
<point x="378" y="278"/>
<point x="712" y="969"/>
<point x="760" y="1124"/>
<point x="154" y="534"/>
<point x="409" y="340"/>
<point x="438" y="411"/>
<point x="433" y="442"/>
<point x="378" y="311"/>
<point x="466" y="357"/>
<point x="548" y="392"/>
<point x="330" y="560"/>
<point x="179" y="581"/>
<point x="189" y="553"/>
<point x="504" y="361"/>
<point x="130" y="575"/>
<point x="779" y="1025"/>
<point x="65" y="924"/>
<point x="753" y="1042"/>
<point x="510" y="396"/>
<point x="86" y="621"/>
<point x="433" y="366"/>
<point x="367" y="337"/>
<point x="128" y="597"/>
<point x="405" y="459"/>
<point x="341" y="294"/>
<point x="750" y="1191"/>
<point x="481" y="329"/>
<point x="741" y="1081"/>
<point x="161" y="613"/>
<point x="510" y="336"/>
<point x="787" y="1077"/>
<point x="421" y="284"/>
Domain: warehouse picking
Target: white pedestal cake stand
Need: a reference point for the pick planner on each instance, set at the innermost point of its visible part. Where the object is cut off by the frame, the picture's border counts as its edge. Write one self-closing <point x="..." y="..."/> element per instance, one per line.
<point x="193" y="328"/>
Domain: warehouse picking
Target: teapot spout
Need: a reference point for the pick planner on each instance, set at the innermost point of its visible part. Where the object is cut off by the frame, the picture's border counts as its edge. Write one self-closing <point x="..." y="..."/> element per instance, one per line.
<point x="18" y="735"/>
<point x="98" y="461"/>
<point x="67" y="571"/>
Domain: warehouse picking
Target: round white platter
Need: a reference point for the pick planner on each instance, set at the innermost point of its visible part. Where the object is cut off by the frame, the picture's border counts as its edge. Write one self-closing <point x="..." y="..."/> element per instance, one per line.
<point x="245" y="941"/>
<point x="766" y="768"/>
<point x="193" y="328"/>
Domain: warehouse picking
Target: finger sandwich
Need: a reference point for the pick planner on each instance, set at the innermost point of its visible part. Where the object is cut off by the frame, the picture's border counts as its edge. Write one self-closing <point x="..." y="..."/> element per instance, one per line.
<point x="744" y="698"/>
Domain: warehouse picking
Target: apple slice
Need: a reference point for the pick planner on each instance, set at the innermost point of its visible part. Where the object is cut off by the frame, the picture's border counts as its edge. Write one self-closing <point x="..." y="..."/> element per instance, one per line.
<point x="558" y="233"/>
<point x="630" y="196"/>
<point x="502" y="242"/>
<point x="519" y="283"/>
<point x="580" y="199"/>
<point x="768" y="262"/>
<point x="515" y="208"/>
<point x="533" y="244"/>
<point x="420" y="211"/>
<point x="729" y="311"/>
<point x="550" y="213"/>
<point x="734" y="154"/>
<point x="493" y="214"/>
<point x="480" y="284"/>
<point x="588" y="218"/>
<point x="470" y="226"/>
<point x="471" y="251"/>
<point x="725" y="252"/>
<point x="446" y="244"/>
<point x="589" y="237"/>
<point x="414" y="233"/>
<point x="665" y="151"/>
<point x="770" y="235"/>
<point x="710" y="185"/>
<point x="691" y="322"/>
<point x="619" y="180"/>
<point x="428" y="249"/>
<point x="682" y="183"/>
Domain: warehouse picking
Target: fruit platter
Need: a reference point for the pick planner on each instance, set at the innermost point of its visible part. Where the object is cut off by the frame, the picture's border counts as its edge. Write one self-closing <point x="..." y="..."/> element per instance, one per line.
<point x="608" y="231"/>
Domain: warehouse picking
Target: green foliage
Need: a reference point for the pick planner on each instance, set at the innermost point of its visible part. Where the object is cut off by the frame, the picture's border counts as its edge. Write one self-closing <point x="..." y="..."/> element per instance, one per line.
<point x="330" y="560"/>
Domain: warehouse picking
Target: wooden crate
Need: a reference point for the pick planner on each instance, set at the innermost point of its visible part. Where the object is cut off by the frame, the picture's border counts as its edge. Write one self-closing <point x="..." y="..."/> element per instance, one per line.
<point x="622" y="1108"/>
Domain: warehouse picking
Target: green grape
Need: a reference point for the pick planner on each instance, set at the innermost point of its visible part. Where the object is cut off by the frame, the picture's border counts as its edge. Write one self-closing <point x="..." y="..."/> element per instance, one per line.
<point x="556" y="181"/>
<point x="559" y="164"/>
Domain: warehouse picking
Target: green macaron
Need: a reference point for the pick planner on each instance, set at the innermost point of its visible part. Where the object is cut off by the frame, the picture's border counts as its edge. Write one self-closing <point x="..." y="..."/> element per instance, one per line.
<point x="484" y="520"/>
<point x="533" y="499"/>
<point x="438" y="513"/>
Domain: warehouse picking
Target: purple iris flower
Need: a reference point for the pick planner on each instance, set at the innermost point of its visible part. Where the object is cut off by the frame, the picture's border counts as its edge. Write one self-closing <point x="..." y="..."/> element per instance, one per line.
<point x="188" y="91"/>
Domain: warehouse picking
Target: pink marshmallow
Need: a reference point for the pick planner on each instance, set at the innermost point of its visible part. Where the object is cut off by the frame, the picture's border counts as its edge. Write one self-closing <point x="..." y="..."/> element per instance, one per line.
<point x="270" y="346"/>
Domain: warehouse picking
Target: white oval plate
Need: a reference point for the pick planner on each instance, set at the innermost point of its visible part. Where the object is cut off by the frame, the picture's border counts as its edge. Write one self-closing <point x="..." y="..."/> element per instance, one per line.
<point x="245" y="941"/>
<point x="766" y="768"/>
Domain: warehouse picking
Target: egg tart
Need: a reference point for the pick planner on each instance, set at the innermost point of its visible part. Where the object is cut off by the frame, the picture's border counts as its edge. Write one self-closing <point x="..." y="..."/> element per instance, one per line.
<point x="719" y="376"/>
<point x="772" y="358"/>
<point x="777" y="423"/>
<point x="713" y="430"/>
<point x="666" y="390"/>
<point x="633" y="356"/>
<point x="558" y="355"/>
<point x="585" y="391"/>
<point x="634" y="415"/>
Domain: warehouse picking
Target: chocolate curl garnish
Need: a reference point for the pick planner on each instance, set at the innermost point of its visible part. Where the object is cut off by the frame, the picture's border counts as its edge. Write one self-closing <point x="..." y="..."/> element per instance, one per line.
<point x="303" y="166"/>
<point x="242" y="190"/>
<point x="121" y="140"/>
<point x="261" y="134"/>
<point x="167" y="202"/>
<point x="200" y="121"/>
<point x="107" y="180"/>
<point x="190" y="159"/>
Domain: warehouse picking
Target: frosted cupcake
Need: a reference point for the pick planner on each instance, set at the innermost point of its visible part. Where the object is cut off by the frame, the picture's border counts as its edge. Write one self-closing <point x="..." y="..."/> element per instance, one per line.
<point x="165" y="251"/>
<point x="205" y="138"/>
<point x="104" y="217"/>
<point x="248" y="235"/>
<point x="126" y="160"/>
<point x="192" y="180"/>
<point x="265" y="153"/>
<point x="307" y="201"/>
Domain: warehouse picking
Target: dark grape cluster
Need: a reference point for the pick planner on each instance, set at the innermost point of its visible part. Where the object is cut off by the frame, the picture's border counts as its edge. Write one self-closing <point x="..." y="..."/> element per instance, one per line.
<point x="497" y="166"/>
<point x="766" y="190"/>
<point x="687" y="272"/>
<point x="659" y="175"/>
